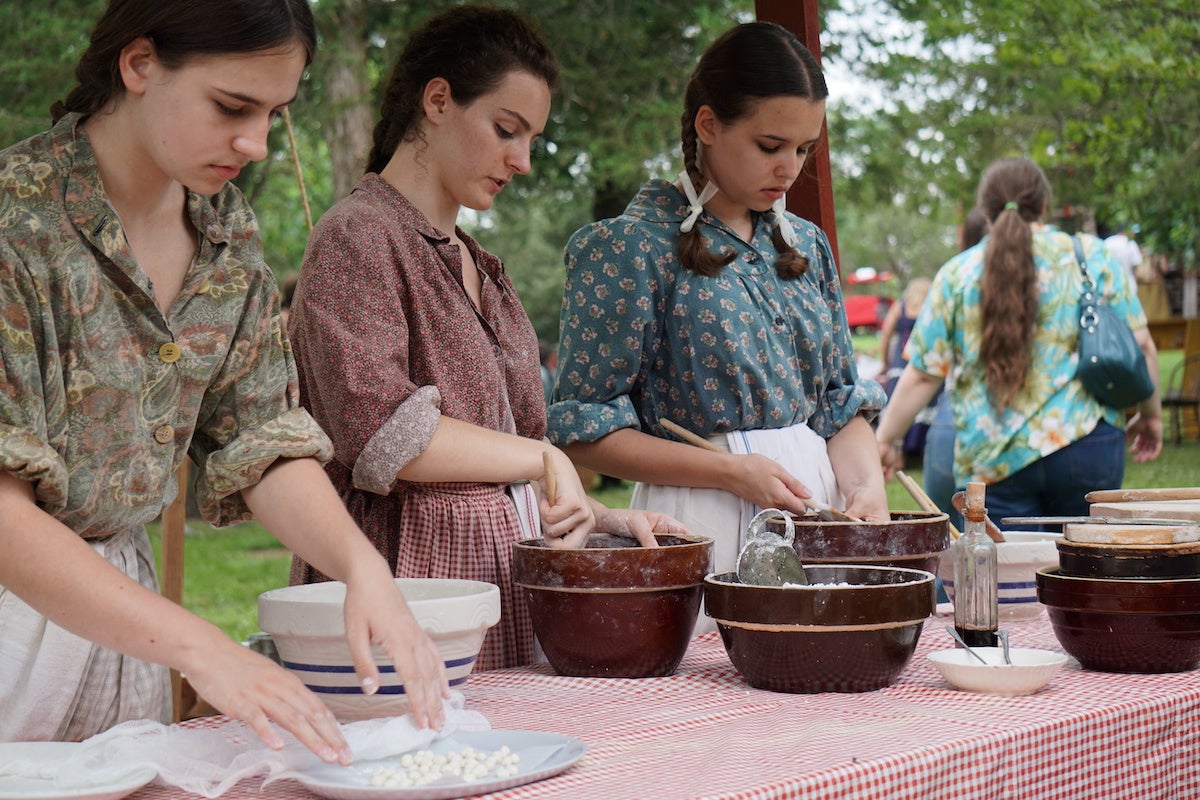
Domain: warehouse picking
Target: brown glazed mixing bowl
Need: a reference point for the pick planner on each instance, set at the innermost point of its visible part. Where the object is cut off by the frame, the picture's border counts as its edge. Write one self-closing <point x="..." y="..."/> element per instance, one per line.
<point x="913" y="540"/>
<point x="614" y="609"/>
<point x="1124" y="624"/>
<point x="852" y="629"/>
<point x="1088" y="560"/>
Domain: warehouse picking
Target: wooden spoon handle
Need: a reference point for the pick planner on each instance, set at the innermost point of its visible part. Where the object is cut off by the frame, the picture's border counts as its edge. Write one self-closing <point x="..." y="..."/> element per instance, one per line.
<point x="923" y="500"/>
<point x="688" y="436"/>
<point x="551" y="478"/>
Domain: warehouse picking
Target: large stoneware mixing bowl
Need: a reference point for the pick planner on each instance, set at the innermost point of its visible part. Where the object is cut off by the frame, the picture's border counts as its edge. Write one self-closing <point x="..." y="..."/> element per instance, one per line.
<point x="614" y="609"/>
<point x="851" y="629"/>
<point x="1124" y="624"/>
<point x="308" y="628"/>
<point x="912" y="540"/>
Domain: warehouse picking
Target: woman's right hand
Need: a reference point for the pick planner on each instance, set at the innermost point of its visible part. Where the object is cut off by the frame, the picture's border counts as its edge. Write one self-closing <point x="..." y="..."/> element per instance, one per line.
<point x="567" y="521"/>
<point x="245" y="685"/>
<point x="764" y="482"/>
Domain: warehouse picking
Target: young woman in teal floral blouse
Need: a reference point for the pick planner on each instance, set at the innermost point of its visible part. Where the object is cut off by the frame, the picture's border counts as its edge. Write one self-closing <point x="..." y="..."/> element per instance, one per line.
<point x="708" y="305"/>
<point x="139" y="325"/>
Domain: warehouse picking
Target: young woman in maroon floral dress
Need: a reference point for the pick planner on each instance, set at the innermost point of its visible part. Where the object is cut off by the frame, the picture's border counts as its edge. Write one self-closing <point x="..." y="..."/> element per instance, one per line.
<point x="414" y="352"/>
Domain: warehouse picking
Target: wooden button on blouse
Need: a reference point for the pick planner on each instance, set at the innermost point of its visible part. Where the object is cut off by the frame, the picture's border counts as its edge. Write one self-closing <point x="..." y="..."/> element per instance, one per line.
<point x="164" y="434"/>
<point x="169" y="353"/>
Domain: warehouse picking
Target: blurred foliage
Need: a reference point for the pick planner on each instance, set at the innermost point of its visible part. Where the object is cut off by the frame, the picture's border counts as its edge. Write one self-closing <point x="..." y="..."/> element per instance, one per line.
<point x="1103" y="93"/>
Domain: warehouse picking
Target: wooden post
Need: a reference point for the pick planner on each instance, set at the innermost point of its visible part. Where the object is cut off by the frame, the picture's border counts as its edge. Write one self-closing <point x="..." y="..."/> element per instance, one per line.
<point x="174" y="520"/>
<point x="813" y="202"/>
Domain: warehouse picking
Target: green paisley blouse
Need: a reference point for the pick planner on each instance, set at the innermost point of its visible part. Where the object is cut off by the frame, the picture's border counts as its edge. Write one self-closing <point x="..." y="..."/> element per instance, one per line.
<point x="643" y="338"/>
<point x="1053" y="409"/>
<point x="102" y="395"/>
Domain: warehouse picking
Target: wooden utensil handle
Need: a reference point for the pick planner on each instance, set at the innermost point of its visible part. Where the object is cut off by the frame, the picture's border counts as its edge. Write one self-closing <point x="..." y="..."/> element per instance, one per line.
<point x="551" y="478"/>
<point x="1133" y="495"/>
<point x="923" y="500"/>
<point x="688" y="436"/>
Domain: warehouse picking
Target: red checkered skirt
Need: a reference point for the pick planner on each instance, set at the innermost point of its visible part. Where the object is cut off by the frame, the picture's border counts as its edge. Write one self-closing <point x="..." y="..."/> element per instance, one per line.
<point x="466" y="531"/>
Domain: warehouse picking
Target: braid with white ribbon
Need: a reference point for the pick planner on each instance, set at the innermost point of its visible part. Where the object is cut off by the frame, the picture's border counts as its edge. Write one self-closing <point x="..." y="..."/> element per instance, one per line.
<point x="695" y="203"/>
<point x="779" y="209"/>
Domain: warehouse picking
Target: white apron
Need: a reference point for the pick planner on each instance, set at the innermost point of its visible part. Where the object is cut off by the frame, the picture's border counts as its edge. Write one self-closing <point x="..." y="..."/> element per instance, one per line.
<point x="56" y="686"/>
<point x="724" y="516"/>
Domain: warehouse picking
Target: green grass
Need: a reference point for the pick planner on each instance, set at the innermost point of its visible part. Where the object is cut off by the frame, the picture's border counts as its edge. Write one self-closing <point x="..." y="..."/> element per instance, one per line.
<point x="226" y="569"/>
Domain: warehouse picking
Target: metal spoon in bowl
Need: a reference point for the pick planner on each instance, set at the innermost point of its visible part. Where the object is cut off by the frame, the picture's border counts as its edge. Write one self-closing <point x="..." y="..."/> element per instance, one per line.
<point x="950" y="630"/>
<point x="1003" y="637"/>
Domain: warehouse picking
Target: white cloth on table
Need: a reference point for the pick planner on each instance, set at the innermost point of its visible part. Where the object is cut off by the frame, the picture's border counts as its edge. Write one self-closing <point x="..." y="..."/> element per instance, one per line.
<point x="210" y="761"/>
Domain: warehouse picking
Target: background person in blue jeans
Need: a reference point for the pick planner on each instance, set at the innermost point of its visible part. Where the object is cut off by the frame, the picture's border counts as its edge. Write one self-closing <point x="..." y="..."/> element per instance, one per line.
<point x="938" y="457"/>
<point x="1001" y="327"/>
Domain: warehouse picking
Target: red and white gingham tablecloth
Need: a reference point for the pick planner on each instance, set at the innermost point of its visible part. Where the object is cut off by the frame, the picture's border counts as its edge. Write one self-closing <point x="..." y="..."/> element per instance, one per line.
<point x="703" y="733"/>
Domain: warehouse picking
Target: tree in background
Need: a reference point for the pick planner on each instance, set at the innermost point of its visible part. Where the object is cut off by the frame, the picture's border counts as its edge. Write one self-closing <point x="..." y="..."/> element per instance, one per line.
<point x="1104" y="94"/>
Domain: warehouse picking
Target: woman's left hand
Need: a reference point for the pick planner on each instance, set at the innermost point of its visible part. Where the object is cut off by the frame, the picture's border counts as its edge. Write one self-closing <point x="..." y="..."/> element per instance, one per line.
<point x="637" y="524"/>
<point x="377" y="613"/>
<point x="1145" y="437"/>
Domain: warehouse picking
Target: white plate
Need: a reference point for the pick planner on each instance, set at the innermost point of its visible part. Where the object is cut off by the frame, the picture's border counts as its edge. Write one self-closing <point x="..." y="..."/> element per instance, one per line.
<point x="50" y="754"/>
<point x="353" y="782"/>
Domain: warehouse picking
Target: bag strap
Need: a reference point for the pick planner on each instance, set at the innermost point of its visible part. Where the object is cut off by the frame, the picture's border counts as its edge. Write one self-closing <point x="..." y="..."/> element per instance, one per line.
<point x="1087" y="314"/>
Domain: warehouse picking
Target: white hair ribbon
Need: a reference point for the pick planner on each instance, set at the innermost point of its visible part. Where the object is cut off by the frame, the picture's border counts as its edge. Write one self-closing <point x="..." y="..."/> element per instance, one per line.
<point x="695" y="204"/>
<point x="779" y="209"/>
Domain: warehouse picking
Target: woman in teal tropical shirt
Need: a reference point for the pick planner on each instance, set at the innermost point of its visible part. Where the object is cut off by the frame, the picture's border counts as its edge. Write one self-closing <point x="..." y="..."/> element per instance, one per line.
<point x="1001" y="326"/>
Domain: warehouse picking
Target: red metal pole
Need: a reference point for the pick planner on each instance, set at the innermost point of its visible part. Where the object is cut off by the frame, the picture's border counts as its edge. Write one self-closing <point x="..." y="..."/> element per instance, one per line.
<point x="811" y="196"/>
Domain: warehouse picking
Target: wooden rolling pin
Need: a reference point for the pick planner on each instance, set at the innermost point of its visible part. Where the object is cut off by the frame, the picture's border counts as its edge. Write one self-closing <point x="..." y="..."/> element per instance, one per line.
<point x="824" y="510"/>
<point x="1133" y="495"/>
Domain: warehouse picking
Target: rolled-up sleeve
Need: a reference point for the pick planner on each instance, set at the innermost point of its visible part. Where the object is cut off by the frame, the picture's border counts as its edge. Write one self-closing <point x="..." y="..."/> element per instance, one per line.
<point x="845" y="394"/>
<point x="251" y="414"/>
<point x="25" y="449"/>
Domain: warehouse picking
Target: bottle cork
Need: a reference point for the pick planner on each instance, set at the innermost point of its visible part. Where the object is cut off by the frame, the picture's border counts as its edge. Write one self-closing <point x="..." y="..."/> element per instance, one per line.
<point x="975" y="510"/>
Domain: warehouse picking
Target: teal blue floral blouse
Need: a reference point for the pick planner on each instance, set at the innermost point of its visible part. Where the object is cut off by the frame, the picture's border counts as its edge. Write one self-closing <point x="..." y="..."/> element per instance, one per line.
<point x="1053" y="409"/>
<point x="644" y="339"/>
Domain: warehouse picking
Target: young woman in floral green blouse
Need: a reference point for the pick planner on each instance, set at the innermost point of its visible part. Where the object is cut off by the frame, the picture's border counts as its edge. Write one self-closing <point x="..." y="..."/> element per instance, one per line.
<point x="708" y="305"/>
<point x="139" y="325"/>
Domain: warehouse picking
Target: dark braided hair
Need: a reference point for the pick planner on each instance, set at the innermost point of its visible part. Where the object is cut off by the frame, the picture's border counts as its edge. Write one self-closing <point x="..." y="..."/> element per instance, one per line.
<point x="473" y="48"/>
<point x="1013" y="193"/>
<point x="748" y="63"/>
<point x="181" y="29"/>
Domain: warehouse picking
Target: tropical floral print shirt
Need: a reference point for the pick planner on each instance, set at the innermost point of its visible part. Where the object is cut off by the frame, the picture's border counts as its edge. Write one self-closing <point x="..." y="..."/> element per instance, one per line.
<point x="101" y="394"/>
<point x="643" y="338"/>
<point x="1053" y="409"/>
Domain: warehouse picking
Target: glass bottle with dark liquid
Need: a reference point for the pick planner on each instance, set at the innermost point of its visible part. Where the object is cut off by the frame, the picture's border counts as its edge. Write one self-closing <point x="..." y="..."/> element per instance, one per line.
<point x="976" y="613"/>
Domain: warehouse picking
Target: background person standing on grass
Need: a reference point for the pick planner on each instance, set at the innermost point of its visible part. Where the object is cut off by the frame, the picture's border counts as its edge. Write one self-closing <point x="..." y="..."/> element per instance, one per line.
<point x="139" y="327"/>
<point x="1001" y="327"/>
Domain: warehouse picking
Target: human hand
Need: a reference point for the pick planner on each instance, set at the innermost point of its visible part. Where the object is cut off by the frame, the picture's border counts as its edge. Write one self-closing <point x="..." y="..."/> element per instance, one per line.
<point x="891" y="459"/>
<point x="637" y="524"/>
<point x="766" y="483"/>
<point x="567" y="516"/>
<point x="868" y="505"/>
<point x="245" y="685"/>
<point x="376" y="613"/>
<point x="1144" y="434"/>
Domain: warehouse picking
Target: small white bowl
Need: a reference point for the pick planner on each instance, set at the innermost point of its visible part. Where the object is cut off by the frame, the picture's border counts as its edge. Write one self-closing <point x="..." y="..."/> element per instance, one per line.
<point x="1018" y="558"/>
<point x="1030" y="669"/>
<point x="307" y="626"/>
